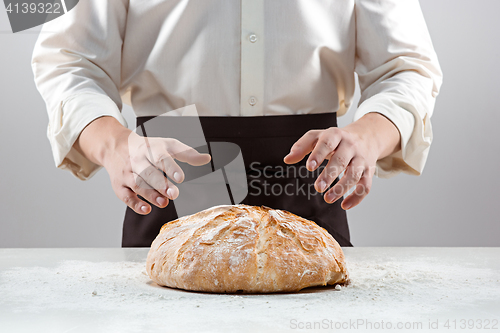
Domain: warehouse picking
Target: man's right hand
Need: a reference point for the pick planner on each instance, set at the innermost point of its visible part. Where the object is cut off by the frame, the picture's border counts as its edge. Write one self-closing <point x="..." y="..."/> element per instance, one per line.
<point x="136" y="164"/>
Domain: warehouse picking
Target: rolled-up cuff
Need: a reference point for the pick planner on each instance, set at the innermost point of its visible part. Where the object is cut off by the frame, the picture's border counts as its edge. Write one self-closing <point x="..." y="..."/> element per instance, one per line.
<point x="416" y="134"/>
<point x="71" y="117"/>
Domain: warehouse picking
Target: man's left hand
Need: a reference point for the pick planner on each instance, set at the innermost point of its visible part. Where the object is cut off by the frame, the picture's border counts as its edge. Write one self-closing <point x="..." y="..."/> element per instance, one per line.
<point x="354" y="149"/>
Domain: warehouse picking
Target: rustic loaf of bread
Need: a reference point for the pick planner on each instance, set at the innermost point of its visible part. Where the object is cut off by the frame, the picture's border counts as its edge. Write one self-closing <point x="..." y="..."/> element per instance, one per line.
<point x="241" y="248"/>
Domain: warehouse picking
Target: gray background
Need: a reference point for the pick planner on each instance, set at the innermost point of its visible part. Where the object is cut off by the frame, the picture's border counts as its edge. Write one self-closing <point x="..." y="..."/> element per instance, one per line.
<point x="454" y="203"/>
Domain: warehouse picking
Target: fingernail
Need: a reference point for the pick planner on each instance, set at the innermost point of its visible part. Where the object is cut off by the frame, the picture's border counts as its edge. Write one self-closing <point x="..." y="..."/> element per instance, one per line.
<point x="161" y="201"/>
<point x="144" y="209"/>
<point x="330" y="198"/>
<point x="177" y="176"/>
<point x="170" y="193"/>
<point x="347" y="206"/>
<point x="322" y="186"/>
<point x="312" y="165"/>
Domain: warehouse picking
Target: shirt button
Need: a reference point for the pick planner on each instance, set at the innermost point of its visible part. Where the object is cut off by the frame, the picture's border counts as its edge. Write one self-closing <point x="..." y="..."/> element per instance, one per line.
<point x="252" y="38"/>
<point x="252" y="101"/>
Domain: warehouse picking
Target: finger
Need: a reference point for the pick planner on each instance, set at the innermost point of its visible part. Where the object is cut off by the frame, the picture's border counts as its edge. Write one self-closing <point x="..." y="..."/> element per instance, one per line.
<point x="165" y="162"/>
<point x="302" y="147"/>
<point x="172" y="190"/>
<point x="326" y="145"/>
<point x="338" y="163"/>
<point x="360" y="192"/>
<point x="186" y="154"/>
<point x="128" y="196"/>
<point x="139" y="186"/>
<point x="155" y="179"/>
<point x="352" y="176"/>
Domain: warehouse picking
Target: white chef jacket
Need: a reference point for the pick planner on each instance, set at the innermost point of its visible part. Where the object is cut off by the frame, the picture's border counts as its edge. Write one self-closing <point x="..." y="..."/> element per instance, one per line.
<point x="238" y="58"/>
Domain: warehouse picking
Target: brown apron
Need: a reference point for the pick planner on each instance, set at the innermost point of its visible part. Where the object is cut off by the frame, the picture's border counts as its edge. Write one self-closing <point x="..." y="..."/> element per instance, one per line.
<point x="264" y="141"/>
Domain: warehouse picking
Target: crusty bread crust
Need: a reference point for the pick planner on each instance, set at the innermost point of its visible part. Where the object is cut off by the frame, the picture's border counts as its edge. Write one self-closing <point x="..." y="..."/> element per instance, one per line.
<point x="240" y="248"/>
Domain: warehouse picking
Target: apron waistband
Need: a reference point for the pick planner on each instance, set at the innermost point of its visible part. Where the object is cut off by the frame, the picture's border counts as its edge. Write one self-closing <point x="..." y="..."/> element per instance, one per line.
<point x="253" y="127"/>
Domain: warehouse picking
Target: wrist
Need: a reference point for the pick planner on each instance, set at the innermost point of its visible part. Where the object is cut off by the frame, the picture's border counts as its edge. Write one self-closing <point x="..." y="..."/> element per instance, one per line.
<point x="100" y="138"/>
<point x="114" y="145"/>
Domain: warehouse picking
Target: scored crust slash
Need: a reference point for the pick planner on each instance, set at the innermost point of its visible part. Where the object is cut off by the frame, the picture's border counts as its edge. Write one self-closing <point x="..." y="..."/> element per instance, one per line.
<point x="240" y="248"/>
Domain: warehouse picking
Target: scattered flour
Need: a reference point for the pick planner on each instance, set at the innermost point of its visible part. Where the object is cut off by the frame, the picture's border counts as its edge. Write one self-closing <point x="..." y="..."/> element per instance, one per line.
<point x="417" y="288"/>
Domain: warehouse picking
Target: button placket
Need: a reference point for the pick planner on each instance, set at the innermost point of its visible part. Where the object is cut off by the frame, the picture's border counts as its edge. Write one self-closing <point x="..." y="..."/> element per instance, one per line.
<point x="252" y="58"/>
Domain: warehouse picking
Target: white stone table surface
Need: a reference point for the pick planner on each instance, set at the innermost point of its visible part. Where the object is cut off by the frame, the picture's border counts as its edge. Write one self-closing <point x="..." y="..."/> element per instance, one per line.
<point x="108" y="290"/>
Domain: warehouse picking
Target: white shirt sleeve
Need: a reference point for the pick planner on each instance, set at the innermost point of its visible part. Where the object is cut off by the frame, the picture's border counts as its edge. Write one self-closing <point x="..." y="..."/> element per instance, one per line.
<point x="76" y="64"/>
<point x="399" y="77"/>
<point x="160" y="56"/>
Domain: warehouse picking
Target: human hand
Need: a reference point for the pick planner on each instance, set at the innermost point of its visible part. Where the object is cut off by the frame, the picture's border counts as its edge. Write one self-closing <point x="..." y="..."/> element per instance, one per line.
<point x="354" y="149"/>
<point x="136" y="164"/>
<point x="136" y="167"/>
